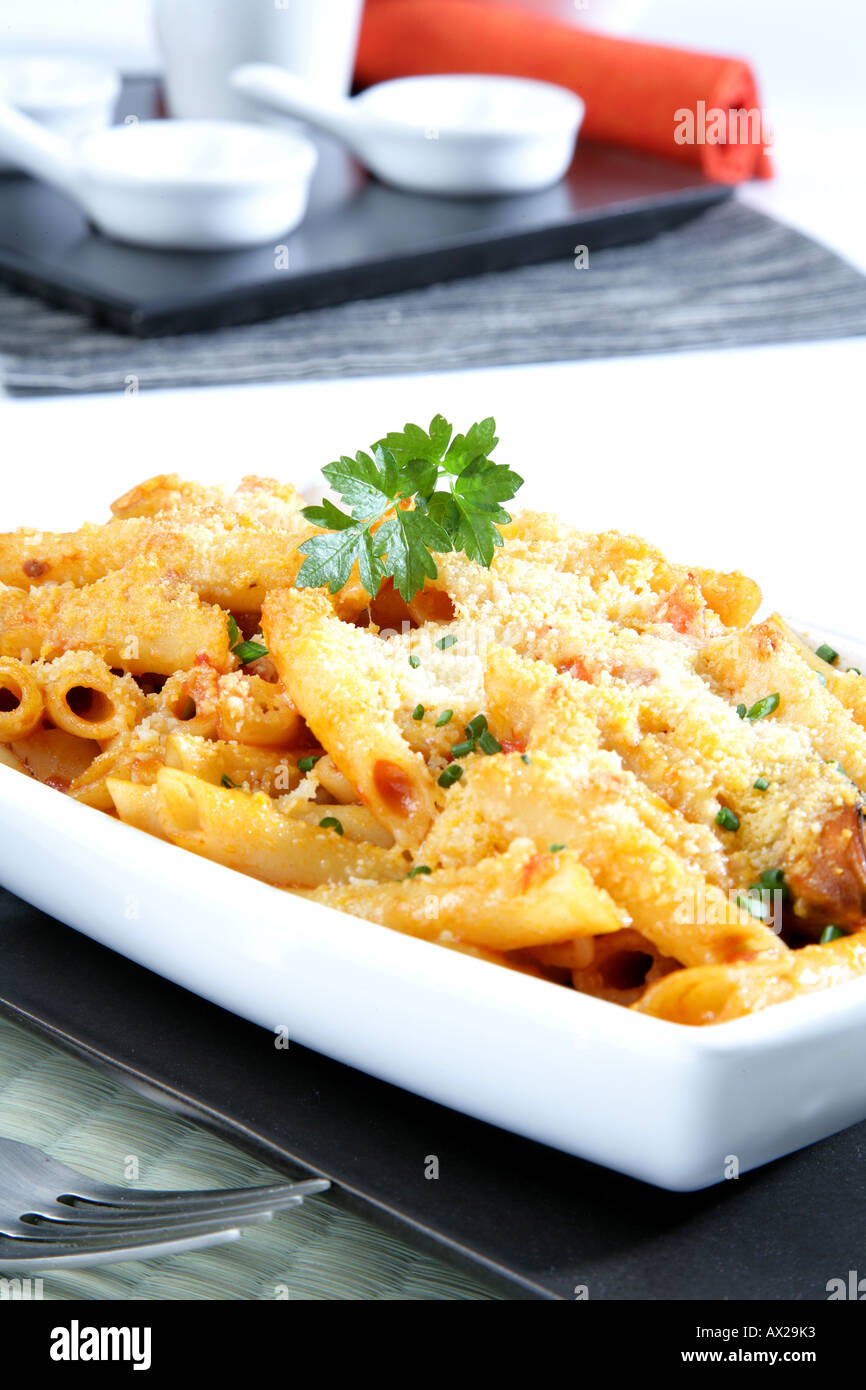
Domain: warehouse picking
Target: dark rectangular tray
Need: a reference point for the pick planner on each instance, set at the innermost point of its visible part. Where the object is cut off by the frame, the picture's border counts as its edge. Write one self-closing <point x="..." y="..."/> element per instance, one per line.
<point x="360" y="239"/>
<point x="536" y="1222"/>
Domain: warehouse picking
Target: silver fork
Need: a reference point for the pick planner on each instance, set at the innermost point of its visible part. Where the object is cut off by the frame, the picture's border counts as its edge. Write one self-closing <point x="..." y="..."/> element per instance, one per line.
<point x="50" y="1214"/>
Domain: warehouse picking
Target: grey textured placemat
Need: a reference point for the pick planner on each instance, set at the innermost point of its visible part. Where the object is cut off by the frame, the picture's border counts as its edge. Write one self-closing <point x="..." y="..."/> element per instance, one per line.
<point x="729" y="278"/>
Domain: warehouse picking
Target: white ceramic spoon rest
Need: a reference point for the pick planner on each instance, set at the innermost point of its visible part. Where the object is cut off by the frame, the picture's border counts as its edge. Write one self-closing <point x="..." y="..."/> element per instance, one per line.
<point x="461" y="134"/>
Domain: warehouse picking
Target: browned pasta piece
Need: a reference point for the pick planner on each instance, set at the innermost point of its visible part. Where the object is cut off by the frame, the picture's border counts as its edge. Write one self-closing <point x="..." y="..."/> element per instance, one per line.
<point x="224" y="763"/>
<point x="516" y="899"/>
<point x="579" y="803"/>
<point x="329" y="670"/>
<point x="136" y="804"/>
<point x="354" y="821"/>
<point x="335" y="783"/>
<point x="21" y="702"/>
<point x="621" y="966"/>
<point x="256" y="711"/>
<point x="19" y="627"/>
<point x="133" y="756"/>
<point x="83" y="697"/>
<point x="734" y="597"/>
<point x="247" y="831"/>
<point x="140" y="619"/>
<point x="191" y="699"/>
<point x="77" y="557"/>
<point x="55" y="757"/>
<point x="717" y="994"/>
<point x="161" y="492"/>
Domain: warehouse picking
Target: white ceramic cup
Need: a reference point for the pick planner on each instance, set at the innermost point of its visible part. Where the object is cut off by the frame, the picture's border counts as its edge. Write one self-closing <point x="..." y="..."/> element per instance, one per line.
<point x="201" y="41"/>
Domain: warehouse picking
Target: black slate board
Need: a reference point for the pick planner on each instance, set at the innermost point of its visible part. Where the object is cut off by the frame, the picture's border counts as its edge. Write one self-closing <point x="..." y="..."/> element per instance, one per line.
<point x="360" y="239"/>
<point x="535" y="1221"/>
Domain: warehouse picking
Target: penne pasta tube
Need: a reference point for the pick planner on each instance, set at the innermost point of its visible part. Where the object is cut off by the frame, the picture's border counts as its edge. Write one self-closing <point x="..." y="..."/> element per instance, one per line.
<point x="134" y="756"/>
<point x="21" y="701"/>
<point x="136" y="804"/>
<point x="329" y="776"/>
<point x="55" y="757"/>
<point x="516" y="899"/>
<point x="162" y="492"/>
<point x="20" y="635"/>
<point x="234" y="764"/>
<point x="29" y="557"/>
<point x="579" y="804"/>
<point x="83" y="697"/>
<point x="719" y="993"/>
<point x="356" y="822"/>
<point x="138" y="618"/>
<point x="263" y="501"/>
<point x="246" y="831"/>
<point x="328" y="669"/>
<point x="256" y="711"/>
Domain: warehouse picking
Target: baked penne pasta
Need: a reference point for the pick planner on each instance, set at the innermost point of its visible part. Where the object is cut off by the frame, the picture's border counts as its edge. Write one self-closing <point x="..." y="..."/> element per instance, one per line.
<point x="583" y="761"/>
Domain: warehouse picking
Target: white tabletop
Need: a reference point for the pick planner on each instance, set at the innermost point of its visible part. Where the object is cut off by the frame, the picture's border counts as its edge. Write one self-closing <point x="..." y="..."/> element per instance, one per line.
<point x="748" y="460"/>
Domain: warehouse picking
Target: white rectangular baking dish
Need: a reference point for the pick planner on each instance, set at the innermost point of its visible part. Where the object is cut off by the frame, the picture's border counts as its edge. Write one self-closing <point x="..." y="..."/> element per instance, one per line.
<point x="679" y="1107"/>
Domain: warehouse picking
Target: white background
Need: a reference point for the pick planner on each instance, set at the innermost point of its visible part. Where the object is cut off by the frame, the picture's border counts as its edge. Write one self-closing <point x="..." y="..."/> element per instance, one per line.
<point x="750" y="459"/>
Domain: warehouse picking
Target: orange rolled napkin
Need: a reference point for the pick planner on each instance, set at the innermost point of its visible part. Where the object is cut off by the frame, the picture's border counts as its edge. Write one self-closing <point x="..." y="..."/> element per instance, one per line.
<point x="688" y="106"/>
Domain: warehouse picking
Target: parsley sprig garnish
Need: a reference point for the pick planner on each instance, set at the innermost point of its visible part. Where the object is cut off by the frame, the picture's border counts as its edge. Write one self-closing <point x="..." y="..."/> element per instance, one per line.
<point x="396" y="518"/>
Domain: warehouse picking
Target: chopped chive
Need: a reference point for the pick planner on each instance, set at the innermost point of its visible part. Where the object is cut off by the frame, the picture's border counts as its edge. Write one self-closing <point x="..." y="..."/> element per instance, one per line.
<point x="821" y="677"/>
<point x="761" y="785"/>
<point x="475" y="728"/>
<point x="842" y="770"/>
<point x="234" y="632"/>
<point x="525" y="758"/>
<point x="755" y="906"/>
<point x="307" y="764"/>
<point x="451" y="774"/>
<point x="414" y="661"/>
<point x="774" y="879"/>
<point x="830" y="934"/>
<point x="331" y="823"/>
<point x="449" y="640"/>
<point x="827" y="654"/>
<point x="226" y="781"/>
<point x="554" y="849"/>
<point x="419" y="869"/>
<point x="249" y="651"/>
<point x="444" y="718"/>
<point x="727" y="819"/>
<point x="761" y="708"/>
<point x="856" y="670"/>
<point x="741" y="711"/>
<point x="418" y="712"/>
<point x="459" y="750"/>
<point x="488" y="744"/>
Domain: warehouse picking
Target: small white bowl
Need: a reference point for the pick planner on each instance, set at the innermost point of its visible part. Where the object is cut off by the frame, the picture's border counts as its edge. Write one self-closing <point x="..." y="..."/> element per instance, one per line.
<point x="474" y="134"/>
<point x="70" y="96"/>
<point x="461" y="134"/>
